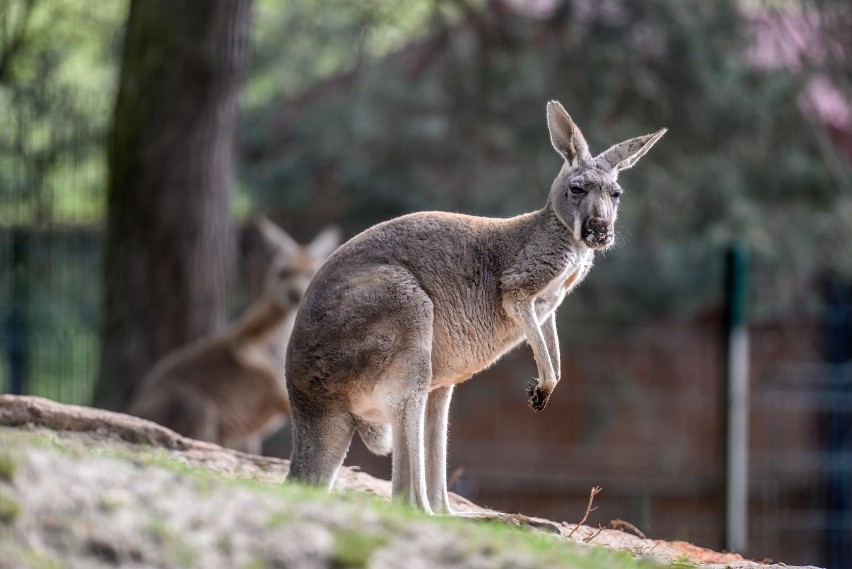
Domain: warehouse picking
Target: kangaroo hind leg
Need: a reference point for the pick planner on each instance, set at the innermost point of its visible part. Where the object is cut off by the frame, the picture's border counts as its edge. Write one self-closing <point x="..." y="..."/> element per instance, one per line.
<point x="320" y="443"/>
<point x="411" y="378"/>
<point x="408" y="468"/>
<point x="437" y="416"/>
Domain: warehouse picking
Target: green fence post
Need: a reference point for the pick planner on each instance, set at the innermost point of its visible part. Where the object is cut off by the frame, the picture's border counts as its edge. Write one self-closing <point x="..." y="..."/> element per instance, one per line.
<point x="736" y="401"/>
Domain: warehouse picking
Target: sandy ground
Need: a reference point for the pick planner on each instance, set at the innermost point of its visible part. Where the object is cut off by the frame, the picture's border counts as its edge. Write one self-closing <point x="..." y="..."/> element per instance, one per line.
<point x="55" y="489"/>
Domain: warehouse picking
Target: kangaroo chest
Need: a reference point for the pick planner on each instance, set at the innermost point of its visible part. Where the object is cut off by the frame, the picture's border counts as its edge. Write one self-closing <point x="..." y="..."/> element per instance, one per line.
<point x="466" y="342"/>
<point x="554" y="293"/>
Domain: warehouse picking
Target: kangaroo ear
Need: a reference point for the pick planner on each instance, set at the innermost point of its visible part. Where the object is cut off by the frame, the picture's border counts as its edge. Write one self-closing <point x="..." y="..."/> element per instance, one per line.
<point x="326" y="242"/>
<point x="626" y="154"/>
<point x="276" y="237"/>
<point x="565" y="136"/>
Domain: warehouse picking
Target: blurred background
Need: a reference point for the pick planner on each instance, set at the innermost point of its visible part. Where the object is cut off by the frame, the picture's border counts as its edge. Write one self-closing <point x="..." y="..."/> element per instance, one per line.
<point x="138" y="138"/>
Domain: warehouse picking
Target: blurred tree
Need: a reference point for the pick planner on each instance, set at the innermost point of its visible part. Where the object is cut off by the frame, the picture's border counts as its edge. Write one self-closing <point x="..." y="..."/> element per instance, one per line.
<point x="169" y="239"/>
<point x="453" y="119"/>
<point x="57" y="84"/>
<point x="14" y="28"/>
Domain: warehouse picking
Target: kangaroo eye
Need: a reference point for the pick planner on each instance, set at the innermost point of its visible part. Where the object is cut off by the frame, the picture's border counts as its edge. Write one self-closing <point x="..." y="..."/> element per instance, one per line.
<point x="577" y="190"/>
<point x="616" y="195"/>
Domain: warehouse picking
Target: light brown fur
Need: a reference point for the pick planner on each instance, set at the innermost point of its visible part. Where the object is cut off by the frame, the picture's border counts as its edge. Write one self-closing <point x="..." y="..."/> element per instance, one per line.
<point x="410" y="307"/>
<point x="229" y="389"/>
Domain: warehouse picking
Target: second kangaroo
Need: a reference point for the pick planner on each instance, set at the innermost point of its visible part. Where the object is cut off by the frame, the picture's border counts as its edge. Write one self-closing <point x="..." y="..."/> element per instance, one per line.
<point x="229" y="388"/>
<point x="405" y="310"/>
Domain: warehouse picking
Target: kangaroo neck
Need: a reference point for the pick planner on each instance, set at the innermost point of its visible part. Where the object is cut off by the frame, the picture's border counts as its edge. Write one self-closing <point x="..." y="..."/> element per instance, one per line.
<point x="261" y="320"/>
<point x="546" y="228"/>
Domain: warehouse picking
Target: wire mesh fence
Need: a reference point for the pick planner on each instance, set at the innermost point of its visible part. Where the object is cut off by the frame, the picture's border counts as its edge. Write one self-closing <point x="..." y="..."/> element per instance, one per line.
<point x="638" y="411"/>
<point x="802" y="465"/>
<point x="52" y="176"/>
<point x="50" y="301"/>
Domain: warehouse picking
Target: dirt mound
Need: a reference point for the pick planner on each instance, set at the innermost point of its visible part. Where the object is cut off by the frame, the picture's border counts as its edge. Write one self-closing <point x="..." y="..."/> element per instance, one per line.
<point x="119" y="433"/>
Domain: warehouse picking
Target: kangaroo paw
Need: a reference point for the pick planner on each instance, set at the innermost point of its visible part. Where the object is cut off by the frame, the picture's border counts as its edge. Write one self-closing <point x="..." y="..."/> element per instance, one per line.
<point x="537" y="396"/>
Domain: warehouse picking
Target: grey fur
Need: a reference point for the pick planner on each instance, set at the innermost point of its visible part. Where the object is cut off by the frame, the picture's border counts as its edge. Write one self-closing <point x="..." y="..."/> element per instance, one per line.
<point x="410" y="307"/>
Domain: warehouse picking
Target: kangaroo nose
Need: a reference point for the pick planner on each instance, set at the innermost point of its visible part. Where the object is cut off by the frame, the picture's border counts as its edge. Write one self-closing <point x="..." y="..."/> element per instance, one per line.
<point x="294" y="296"/>
<point x="598" y="225"/>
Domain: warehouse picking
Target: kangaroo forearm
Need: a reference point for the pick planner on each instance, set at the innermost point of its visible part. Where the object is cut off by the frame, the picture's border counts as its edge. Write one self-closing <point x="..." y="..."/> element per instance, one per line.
<point x="548" y="330"/>
<point x="524" y="313"/>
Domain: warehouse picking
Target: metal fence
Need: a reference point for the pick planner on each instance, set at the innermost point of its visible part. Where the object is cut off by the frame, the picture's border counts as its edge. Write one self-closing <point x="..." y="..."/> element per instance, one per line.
<point x="51" y="194"/>
<point x="50" y="298"/>
<point x="638" y="411"/>
<point x="802" y="466"/>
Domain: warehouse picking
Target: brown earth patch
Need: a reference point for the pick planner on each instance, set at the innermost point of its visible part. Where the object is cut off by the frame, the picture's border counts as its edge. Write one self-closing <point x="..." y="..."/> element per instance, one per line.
<point x="95" y="427"/>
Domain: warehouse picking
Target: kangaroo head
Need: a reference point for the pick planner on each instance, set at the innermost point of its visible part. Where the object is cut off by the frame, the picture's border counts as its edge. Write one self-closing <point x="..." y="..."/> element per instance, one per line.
<point x="585" y="194"/>
<point x="293" y="265"/>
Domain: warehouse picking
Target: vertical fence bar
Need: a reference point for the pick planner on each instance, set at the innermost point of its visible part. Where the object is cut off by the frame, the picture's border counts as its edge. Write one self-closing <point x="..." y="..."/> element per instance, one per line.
<point x="17" y="334"/>
<point x="736" y="401"/>
<point x="836" y="424"/>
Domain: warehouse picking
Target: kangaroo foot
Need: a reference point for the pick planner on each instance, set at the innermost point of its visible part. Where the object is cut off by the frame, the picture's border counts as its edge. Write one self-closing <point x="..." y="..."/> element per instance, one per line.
<point x="538" y="396"/>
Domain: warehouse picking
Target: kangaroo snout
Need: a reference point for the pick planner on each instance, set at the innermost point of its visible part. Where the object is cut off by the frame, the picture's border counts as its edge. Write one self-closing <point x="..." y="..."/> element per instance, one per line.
<point x="294" y="296"/>
<point x="597" y="233"/>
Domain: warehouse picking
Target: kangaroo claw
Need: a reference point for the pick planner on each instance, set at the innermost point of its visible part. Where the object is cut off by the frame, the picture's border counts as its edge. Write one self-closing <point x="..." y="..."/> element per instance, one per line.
<point x="537" y="396"/>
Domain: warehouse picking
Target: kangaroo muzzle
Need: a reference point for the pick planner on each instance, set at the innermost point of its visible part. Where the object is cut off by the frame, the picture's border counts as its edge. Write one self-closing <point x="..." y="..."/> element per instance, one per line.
<point x="597" y="233"/>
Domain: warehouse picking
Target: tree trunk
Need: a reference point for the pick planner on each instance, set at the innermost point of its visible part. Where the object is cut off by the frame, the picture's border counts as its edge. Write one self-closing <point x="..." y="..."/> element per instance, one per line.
<point x="169" y="240"/>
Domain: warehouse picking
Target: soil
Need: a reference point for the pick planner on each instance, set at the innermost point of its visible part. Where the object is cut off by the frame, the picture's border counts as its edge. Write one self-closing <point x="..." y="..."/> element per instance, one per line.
<point x="54" y="486"/>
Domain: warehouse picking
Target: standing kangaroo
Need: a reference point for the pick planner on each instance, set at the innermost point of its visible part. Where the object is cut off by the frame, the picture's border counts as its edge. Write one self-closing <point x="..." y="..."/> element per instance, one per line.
<point x="229" y="389"/>
<point x="405" y="310"/>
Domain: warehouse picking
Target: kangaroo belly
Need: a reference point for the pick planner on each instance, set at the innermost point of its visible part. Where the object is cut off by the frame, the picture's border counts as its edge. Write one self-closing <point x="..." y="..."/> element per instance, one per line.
<point x="462" y="347"/>
<point x="468" y="341"/>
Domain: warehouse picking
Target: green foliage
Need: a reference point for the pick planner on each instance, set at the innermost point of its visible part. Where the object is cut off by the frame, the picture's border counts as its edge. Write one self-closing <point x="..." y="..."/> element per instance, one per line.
<point x="55" y="100"/>
<point x="296" y="44"/>
<point x="455" y="121"/>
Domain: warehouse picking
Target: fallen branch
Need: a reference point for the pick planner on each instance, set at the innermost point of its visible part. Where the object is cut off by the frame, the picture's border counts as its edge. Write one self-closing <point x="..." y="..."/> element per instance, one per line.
<point x="589" y="509"/>
<point x="621" y="525"/>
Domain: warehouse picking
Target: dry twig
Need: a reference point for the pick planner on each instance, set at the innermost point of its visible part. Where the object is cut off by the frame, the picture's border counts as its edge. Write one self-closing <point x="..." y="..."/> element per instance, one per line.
<point x="594" y="535"/>
<point x="621" y="525"/>
<point x="595" y="491"/>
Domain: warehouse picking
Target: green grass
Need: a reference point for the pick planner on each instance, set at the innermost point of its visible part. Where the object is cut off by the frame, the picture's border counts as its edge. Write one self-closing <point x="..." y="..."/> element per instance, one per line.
<point x="172" y="546"/>
<point x="353" y="549"/>
<point x="29" y="559"/>
<point x="9" y="509"/>
<point x="354" y="543"/>
<point x="8" y="466"/>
